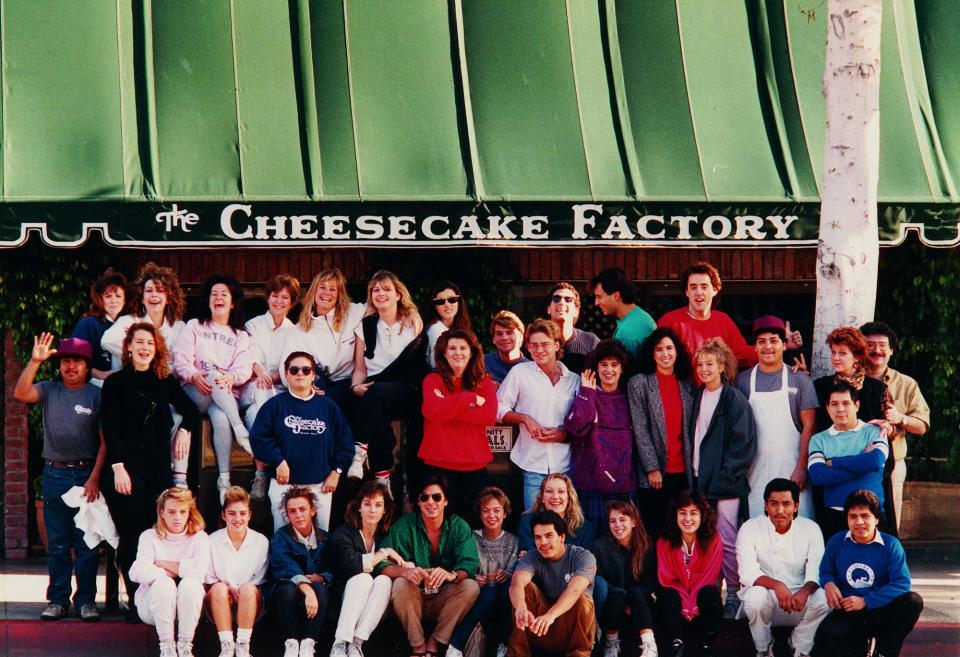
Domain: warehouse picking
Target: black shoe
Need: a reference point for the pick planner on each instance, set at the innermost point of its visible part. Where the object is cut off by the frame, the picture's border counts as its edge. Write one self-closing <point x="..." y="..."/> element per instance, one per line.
<point x="133" y="616"/>
<point x="706" y="649"/>
<point x="676" y="648"/>
<point x="89" y="612"/>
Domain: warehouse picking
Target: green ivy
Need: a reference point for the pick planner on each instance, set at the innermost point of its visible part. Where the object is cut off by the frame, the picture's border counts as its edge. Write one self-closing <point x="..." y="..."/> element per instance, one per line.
<point x="918" y="294"/>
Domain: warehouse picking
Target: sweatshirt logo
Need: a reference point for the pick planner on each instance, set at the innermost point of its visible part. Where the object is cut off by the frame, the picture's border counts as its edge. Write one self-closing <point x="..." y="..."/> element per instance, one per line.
<point x="301" y="425"/>
<point x="860" y="576"/>
<point x="82" y="410"/>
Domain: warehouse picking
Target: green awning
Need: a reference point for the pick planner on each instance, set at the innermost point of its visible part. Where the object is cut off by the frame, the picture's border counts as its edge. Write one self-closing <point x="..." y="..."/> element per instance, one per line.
<point x="463" y="101"/>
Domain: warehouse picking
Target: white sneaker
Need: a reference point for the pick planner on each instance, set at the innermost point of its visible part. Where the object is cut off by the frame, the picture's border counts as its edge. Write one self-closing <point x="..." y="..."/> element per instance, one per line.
<point x="168" y="649"/>
<point x="307" y="648"/>
<point x="611" y="647"/>
<point x="339" y="649"/>
<point x="184" y="648"/>
<point x="453" y="652"/>
<point x="223" y="485"/>
<point x="242" y="649"/>
<point x="355" y="471"/>
<point x="648" y="645"/>
<point x="354" y="649"/>
<point x="242" y="437"/>
<point x="227" y="649"/>
<point x="291" y="648"/>
<point x="386" y="482"/>
<point x="502" y="650"/>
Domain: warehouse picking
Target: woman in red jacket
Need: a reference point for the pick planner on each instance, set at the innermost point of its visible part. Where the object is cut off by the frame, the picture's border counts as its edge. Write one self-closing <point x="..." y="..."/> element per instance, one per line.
<point x="689" y="555"/>
<point x="459" y="403"/>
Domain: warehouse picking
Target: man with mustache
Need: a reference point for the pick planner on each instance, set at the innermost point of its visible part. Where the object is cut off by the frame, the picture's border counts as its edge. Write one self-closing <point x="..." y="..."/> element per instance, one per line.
<point x="908" y="412"/>
<point x="779" y="559"/>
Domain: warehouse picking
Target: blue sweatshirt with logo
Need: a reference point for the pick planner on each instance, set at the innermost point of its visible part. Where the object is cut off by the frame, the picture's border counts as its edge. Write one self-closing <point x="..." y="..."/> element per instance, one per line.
<point x="310" y="434"/>
<point x="876" y="572"/>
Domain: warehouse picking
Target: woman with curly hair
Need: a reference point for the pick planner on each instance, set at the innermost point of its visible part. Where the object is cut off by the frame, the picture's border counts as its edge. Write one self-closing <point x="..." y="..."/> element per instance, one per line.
<point x="389" y="365"/>
<point x="107" y="300"/>
<point x="689" y="555"/>
<point x="446" y="309"/>
<point x="848" y="358"/>
<point x="213" y="356"/>
<point x="459" y="403"/>
<point x="724" y="441"/>
<point x="601" y="453"/>
<point x="136" y="416"/>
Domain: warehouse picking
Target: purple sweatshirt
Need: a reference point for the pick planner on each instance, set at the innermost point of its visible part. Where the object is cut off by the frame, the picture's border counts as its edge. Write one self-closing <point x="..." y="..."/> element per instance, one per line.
<point x="601" y="459"/>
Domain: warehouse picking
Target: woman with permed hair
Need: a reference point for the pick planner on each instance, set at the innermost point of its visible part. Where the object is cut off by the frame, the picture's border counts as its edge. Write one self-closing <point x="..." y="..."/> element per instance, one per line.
<point x="848" y="358"/>
<point x="108" y="299"/>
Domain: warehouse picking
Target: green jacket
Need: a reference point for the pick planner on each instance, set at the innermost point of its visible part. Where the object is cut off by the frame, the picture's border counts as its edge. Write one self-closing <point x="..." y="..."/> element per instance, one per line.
<point x="457" y="549"/>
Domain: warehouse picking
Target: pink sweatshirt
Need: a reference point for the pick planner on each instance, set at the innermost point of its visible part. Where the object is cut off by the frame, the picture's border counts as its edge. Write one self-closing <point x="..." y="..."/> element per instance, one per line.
<point x="191" y="551"/>
<point x="209" y="346"/>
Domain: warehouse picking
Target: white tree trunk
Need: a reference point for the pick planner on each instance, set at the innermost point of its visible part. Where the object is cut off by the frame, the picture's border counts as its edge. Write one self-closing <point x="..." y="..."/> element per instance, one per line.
<point x="848" y="251"/>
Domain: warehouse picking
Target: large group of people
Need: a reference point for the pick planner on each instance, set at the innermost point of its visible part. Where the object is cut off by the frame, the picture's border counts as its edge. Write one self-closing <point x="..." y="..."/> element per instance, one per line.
<point x="660" y="469"/>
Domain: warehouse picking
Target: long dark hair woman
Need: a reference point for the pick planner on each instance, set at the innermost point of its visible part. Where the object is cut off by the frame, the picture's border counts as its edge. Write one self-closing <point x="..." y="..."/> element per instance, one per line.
<point x="446" y="309"/>
<point x="136" y="415"/>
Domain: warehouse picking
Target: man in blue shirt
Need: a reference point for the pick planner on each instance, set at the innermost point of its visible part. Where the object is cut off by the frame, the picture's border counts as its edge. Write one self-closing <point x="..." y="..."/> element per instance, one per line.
<point x="865" y="579"/>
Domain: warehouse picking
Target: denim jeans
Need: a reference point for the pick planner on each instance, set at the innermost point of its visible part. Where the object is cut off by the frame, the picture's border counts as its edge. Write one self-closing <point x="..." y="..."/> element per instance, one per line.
<point x="531" y="487"/>
<point x="63" y="535"/>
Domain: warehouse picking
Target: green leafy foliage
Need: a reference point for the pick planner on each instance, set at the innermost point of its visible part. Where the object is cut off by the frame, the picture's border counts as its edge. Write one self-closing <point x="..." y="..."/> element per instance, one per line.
<point x="918" y="294"/>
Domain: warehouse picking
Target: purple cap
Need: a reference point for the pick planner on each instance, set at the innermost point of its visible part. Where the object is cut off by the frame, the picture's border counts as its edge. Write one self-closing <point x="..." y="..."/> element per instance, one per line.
<point x="75" y="348"/>
<point x="770" y="324"/>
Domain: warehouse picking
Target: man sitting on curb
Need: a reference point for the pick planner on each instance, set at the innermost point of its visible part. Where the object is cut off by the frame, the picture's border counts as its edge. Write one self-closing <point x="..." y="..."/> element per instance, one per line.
<point x="551" y="593"/>
<point x="779" y="555"/>
<point x="867" y="584"/>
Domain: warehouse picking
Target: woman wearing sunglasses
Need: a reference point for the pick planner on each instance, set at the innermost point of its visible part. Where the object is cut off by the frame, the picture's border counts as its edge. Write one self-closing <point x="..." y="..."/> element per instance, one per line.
<point x="305" y="437"/>
<point x="135" y="410"/>
<point x="446" y="309"/>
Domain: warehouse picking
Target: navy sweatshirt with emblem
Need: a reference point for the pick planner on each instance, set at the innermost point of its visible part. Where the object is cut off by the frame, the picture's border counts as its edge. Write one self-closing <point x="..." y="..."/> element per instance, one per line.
<point x="876" y="571"/>
<point x="310" y="434"/>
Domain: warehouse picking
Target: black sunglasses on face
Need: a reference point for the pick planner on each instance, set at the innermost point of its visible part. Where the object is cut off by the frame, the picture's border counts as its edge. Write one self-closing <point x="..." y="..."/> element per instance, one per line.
<point x="437" y="497"/>
<point x="296" y="369"/>
<point x="450" y="300"/>
<point x="556" y="298"/>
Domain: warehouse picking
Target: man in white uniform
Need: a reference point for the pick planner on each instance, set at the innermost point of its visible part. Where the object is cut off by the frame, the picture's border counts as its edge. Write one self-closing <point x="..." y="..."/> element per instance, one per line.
<point x="779" y="558"/>
<point x="784" y="404"/>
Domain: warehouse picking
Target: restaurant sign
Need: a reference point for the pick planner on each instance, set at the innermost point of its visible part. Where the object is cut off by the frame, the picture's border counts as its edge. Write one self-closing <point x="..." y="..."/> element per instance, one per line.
<point x="331" y="224"/>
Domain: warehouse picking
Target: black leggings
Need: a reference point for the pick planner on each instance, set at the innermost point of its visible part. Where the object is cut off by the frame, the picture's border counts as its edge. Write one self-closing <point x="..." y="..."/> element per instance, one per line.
<point x="286" y="602"/>
<point x="671" y="622"/>
<point x="380" y="405"/>
<point x="636" y="598"/>
<point x="845" y="633"/>
<point x="134" y="513"/>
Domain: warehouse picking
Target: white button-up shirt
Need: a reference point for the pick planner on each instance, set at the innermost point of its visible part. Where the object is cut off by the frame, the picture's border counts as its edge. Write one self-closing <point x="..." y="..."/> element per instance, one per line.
<point x="234" y="567"/>
<point x="793" y="557"/>
<point x="333" y="349"/>
<point x="269" y="340"/>
<point x="528" y="390"/>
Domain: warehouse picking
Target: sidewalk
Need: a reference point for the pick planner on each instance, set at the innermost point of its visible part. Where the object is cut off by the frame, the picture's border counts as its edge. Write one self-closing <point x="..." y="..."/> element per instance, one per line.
<point x="935" y="569"/>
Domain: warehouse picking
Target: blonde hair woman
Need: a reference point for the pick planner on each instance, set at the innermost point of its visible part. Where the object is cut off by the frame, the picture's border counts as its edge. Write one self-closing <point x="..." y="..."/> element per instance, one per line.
<point x="557" y="494"/>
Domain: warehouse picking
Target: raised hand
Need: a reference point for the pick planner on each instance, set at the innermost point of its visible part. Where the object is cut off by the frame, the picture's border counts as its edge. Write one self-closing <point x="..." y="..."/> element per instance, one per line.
<point x="41" y="347"/>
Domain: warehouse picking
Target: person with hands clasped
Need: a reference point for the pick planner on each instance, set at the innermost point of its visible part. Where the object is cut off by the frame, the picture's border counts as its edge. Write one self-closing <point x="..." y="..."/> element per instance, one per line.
<point x="867" y="585"/>
<point x="440" y="558"/>
<point x="299" y="574"/>
<point x="550" y="592"/>
<point x="172" y="560"/>
<point x="238" y="564"/>
<point x="537" y="396"/>
<point x="355" y="549"/>
<point x="73" y="455"/>
<point x="305" y="437"/>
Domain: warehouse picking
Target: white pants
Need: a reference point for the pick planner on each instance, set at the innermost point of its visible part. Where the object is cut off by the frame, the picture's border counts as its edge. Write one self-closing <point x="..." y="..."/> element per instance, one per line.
<point x="365" y="598"/>
<point x="167" y="601"/>
<point x="763" y="612"/>
<point x="275" y="495"/>
<point x="897" y="478"/>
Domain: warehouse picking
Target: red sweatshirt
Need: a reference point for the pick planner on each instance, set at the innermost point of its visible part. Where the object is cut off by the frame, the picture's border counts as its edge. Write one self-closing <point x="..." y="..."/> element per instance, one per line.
<point x="694" y="332"/>
<point x="687" y="580"/>
<point x="454" y="426"/>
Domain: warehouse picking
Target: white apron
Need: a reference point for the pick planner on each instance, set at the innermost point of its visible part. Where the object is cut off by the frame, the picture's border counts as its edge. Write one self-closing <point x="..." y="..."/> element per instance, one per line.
<point x="778" y="444"/>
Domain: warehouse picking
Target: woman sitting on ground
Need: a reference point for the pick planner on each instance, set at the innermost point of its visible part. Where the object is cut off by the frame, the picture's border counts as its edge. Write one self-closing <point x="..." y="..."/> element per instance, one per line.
<point x="238" y="564"/>
<point x="354" y="552"/>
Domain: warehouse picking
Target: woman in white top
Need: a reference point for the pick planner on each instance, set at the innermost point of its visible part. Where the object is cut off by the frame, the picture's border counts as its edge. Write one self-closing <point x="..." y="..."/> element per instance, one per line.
<point x="326" y="331"/>
<point x="269" y="333"/>
<point x="172" y="561"/>
<point x="238" y="564"/>
<point x="446" y="309"/>
<point x="537" y="395"/>
<point x="353" y="554"/>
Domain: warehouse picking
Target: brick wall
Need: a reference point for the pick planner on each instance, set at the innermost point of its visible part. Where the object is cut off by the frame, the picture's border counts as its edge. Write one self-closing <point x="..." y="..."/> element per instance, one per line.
<point x="16" y="492"/>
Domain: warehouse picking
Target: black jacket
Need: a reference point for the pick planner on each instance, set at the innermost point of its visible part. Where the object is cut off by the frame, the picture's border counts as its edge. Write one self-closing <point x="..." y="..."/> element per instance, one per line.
<point x="727" y="448"/>
<point x="613" y="564"/>
<point x="344" y="550"/>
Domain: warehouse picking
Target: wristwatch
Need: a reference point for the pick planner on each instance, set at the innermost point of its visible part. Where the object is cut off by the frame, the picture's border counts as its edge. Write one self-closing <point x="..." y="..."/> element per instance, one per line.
<point x="338" y="470"/>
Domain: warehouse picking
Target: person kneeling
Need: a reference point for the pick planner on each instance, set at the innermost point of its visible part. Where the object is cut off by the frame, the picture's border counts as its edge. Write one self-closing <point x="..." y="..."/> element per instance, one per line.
<point x="238" y="564"/>
<point x="779" y="554"/>
<point x="551" y="593"/>
<point x="298" y="594"/>
<point x="172" y="560"/>
<point x="867" y="584"/>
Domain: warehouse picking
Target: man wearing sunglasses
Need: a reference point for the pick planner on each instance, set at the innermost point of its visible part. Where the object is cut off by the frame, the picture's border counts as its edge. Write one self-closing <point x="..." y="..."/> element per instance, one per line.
<point x="304" y="437"/>
<point x="440" y="559"/>
<point x="614" y="294"/>
<point x="563" y="307"/>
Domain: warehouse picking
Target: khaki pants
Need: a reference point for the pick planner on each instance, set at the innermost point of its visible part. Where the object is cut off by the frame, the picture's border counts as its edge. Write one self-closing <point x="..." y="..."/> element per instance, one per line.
<point x="572" y="634"/>
<point x="448" y="607"/>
